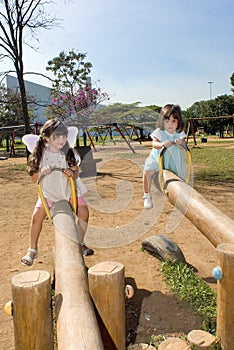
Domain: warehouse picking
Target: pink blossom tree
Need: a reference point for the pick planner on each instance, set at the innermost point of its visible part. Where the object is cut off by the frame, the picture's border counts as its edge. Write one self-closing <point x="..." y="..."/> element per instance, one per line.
<point x="80" y="106"/>
<point x="73" y="97"/>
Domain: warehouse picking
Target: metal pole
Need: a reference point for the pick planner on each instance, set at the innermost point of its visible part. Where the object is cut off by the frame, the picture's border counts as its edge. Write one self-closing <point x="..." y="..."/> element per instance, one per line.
<point x="210" y="82"/>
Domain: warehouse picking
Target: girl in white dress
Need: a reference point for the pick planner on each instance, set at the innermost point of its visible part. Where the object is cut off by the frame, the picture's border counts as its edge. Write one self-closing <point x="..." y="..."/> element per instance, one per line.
<point x="53" y="151"/>
<point x="169" y="134"/>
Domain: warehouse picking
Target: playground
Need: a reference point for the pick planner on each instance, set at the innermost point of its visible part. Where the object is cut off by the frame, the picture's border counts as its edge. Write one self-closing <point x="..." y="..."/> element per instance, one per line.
<point x="118" y="224"/>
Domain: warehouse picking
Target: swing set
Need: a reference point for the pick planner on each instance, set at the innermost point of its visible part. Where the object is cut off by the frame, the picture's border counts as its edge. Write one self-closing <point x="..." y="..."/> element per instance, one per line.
<point x="10" y="134"/>
<point x="125" y="131"/>
<point x="225" y="130"/>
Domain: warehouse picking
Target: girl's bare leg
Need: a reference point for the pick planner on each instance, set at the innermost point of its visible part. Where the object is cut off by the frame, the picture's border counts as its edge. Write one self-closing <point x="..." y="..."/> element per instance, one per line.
<point x="147" y="180"/>
<point x="83" y="219"/>
<point x="82" y="224"/>
<point x="35" y="229"/>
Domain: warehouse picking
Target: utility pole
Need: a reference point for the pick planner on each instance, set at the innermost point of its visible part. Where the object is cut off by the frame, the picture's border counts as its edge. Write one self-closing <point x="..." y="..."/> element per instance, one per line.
<point x="210" y="82"/>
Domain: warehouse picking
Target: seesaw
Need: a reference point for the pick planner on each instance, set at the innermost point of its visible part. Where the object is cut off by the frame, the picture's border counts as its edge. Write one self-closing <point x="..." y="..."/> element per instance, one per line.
<point x="218" y="228"/>
<point x="89" y="305"/>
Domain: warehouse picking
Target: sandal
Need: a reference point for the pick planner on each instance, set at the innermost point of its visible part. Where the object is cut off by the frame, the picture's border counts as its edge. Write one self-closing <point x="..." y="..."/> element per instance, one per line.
<point x="86" y="251"/>
<point x="27" y="260"/>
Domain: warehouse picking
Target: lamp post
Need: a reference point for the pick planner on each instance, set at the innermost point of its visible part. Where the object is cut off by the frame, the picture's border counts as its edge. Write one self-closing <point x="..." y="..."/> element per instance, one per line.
<point x="210" y="82"/>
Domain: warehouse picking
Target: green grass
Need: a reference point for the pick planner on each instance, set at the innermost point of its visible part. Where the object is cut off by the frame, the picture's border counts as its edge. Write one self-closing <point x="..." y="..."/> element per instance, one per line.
<point x="192" y="290"/>
<point x="214" y="164"/>
<point x="18" y="167"/>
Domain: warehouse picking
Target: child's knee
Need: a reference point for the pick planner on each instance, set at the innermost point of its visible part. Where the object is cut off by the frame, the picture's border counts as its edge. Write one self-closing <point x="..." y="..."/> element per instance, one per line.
<point x="83" y="213"/>
<point x="38" y="215"/>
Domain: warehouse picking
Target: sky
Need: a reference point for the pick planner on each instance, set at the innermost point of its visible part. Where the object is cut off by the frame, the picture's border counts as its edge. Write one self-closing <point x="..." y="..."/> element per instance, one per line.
<point x="151" y="51"/>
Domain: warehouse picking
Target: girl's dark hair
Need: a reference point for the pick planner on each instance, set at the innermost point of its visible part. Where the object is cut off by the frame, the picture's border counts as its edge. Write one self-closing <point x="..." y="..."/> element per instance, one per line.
<point x="171" y="110"/>
<point x="51" y="126"/>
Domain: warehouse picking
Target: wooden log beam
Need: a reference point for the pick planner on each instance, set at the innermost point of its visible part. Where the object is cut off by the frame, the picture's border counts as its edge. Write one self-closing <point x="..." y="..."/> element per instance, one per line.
<point x="77" y="326"/>
<point x="31" y="296"/>
<point x="107" y="287"/>
<point x="210" y="221"/>
<point x="225" y="296"/>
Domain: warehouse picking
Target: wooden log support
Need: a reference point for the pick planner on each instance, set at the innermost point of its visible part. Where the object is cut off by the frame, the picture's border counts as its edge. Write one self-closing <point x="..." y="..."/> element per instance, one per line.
<point x="174" y="343"/>
<point x="31" y="295"/>
<point x="201" y="339"/>
<point x="215" y="225"/>
<point x="141" y="346"/>
<point x="77" y="326"/>
<point x="225" y="296"/>
<point x="107" y="288"/>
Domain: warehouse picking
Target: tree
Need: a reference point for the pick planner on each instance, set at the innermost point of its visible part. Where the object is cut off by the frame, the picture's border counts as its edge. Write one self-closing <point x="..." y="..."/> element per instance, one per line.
<point x="70" y="71"/>
<point x="128" y="114"/>
<point x="17" y="18"/>
<point x="222" y="105"/>
<point x="74" y="98"/>
<point x="10" y="106"/>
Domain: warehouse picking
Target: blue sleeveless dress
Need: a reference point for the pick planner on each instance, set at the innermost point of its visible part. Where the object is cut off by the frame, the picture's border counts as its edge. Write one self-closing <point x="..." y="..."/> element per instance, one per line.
<point x="173" y="157"/>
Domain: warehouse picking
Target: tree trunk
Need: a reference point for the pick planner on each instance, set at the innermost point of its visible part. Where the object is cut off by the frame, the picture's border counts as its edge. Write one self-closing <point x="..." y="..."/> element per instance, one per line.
<point x="24" y="103"/>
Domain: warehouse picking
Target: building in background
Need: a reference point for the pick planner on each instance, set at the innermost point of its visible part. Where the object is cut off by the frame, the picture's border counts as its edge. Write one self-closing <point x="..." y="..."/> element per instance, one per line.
<point x="39" y="92"/>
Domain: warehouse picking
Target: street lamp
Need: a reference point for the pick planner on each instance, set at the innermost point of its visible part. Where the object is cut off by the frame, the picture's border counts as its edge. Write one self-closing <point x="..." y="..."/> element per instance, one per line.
<point x="210" y="82"/>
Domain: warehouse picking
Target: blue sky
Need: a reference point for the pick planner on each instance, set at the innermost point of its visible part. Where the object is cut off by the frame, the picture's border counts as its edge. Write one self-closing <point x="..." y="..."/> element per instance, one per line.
<point x="151" y="51"/>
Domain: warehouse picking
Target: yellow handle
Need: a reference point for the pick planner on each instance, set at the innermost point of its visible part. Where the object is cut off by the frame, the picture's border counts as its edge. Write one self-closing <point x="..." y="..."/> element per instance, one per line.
<point x="74" y="196"/>
<point x="8" y="308"/>
<point x="189" y="166"/>
<point x="43" y="200"/>
<point x="160" y="167"/>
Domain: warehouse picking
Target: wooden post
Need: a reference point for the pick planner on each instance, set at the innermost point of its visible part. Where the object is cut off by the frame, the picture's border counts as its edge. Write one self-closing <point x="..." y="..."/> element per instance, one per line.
<point x="122" y="135"/>
<point x="225" y="296"/>
<point x="107" y="288"/>
<point x="77" y="326"/>
<point x="193" y="132"/>
<point x="31" y="295"/>
<point x="215" y="225"/>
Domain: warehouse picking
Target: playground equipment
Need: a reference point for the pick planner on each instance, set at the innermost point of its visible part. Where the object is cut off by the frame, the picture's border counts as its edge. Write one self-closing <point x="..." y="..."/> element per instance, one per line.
<point x="82" y="322"/>
<point x="73" y="303"/>
<point x="77" y="326"/>
<point x="31" y="295"/>
<point x="88" y="164"/>
<point x="106" y="282"/>
<point x="43" y="200"/>
<point x="218" y="228"/>
<point x="160" y="164"/>
<point x="9" y="133"/>
<point x="126" y="132"/>
<point x="221" y="119"/>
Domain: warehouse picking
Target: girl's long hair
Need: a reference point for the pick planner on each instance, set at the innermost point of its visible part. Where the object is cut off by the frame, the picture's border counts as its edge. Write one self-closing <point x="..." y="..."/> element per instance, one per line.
<point x="51" y="126"/>
<point x="171" y="110"/>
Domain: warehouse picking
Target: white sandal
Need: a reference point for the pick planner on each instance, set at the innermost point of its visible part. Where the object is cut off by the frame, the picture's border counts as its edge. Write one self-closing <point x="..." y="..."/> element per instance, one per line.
<point x="28" y="260"/>
<point x="86" y="250"/>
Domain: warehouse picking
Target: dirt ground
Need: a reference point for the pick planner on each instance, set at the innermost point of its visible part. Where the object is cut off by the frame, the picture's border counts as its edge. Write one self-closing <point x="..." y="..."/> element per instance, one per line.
<point x="118" y="224"/>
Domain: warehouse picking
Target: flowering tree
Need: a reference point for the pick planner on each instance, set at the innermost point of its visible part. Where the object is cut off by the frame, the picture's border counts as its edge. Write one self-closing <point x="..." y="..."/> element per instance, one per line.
<point x="79" y="106"/>
<point x="74" y="99"/>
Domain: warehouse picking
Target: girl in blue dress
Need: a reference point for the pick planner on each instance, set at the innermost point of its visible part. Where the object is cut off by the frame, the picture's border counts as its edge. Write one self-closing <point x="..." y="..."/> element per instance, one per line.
<point x="169" y="134"/>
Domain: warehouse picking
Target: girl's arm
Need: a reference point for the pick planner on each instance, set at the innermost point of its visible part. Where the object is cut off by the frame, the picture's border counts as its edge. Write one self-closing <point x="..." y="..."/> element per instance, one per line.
<point x="72" y="171"/>
<point x="35" y="176"/>
<point x="158" y="144"/>
<point x="181" y="142"/>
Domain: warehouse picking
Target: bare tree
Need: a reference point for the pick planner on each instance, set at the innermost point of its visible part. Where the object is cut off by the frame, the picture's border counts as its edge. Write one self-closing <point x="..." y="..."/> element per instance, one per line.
<point x="17" y="18"/>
